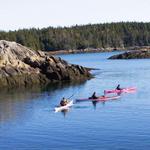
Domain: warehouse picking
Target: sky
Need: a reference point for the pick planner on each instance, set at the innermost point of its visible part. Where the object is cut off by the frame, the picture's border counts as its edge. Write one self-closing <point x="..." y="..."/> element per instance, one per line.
<point x="19" y="14"/>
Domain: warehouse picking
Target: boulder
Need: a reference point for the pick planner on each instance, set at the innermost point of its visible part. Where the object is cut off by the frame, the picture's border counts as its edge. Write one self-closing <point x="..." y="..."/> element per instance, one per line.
<point x="20" y="65"/>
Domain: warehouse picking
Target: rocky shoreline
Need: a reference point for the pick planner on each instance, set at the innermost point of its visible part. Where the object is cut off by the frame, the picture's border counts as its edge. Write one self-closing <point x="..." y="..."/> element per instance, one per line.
<point x="21" y="66"/>
<point x="98" y="50"/>
<point x="138" y="54"/>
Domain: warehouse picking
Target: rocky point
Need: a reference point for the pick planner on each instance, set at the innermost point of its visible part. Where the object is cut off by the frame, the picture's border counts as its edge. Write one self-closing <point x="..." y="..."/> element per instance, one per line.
<point x="20" y="66"/>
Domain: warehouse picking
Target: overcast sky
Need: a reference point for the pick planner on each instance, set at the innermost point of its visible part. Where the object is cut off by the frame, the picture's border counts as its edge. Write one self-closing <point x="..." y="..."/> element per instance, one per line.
<point x="18" y="14"/>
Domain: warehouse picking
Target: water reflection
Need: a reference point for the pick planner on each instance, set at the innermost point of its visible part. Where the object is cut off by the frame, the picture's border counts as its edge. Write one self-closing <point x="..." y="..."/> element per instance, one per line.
<point x="94" y="104"/>
<point x="65" y="111"/>
<point x="21" y="102"/>
<point x="10" y="99"/>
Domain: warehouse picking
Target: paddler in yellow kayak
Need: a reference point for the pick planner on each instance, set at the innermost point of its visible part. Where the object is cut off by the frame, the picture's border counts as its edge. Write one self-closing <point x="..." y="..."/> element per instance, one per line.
<point x="64" y="102"/>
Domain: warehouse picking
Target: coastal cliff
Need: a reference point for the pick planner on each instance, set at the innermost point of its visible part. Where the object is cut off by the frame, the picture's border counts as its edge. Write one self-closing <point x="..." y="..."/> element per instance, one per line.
<point x="20" y="66"/>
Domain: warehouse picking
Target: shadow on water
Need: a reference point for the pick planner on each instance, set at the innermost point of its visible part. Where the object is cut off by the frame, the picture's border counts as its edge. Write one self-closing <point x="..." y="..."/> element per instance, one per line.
<point x="18" y="101"/>
<point x="96" y="102"/>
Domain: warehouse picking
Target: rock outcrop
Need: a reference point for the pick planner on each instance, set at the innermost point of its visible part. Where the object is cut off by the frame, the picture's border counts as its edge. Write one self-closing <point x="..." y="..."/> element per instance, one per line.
<point x="139" y="54"/>
<point x="20" y="65"/>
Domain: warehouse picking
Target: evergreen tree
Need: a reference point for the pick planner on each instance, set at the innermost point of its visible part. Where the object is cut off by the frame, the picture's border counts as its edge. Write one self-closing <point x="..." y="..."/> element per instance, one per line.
<point x="123" y="34"/>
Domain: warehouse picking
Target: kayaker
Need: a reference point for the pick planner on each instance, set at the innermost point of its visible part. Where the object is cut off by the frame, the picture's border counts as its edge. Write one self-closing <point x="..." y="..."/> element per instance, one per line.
<point x="118" y="87"/>
<point x="64" y="102"/>
<point x="94" y="96"/>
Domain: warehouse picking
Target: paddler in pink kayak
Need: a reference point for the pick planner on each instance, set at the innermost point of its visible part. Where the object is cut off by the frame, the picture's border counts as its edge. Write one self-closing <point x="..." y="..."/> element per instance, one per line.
<point x="118" y="87"/>
<point x="93" y="96"/>
<point x="96" y="97"/>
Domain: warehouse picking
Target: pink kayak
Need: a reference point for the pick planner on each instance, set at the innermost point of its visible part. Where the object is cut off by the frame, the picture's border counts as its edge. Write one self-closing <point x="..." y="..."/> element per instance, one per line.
<point x="124" y="90"/>
<point x="101" y="98"/>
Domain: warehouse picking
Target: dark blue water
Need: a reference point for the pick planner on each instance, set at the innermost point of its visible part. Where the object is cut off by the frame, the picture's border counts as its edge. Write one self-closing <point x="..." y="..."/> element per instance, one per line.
<point x="28" y="122"/>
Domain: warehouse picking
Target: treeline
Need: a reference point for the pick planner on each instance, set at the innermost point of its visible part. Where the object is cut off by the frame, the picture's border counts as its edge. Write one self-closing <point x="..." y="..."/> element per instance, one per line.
<point x="115" y="35"/>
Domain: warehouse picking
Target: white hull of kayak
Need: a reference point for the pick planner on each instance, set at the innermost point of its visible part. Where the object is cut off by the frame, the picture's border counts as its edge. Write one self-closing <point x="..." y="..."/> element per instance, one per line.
<point x="60" y="108"/>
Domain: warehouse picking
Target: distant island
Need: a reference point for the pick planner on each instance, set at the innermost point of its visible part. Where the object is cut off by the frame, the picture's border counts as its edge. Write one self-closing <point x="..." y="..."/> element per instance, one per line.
<point x="91" y="37"/>
<point x="138" y="54"/>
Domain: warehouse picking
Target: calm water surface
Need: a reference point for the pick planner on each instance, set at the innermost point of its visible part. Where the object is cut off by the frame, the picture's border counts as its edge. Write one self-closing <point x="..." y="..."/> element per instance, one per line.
<point x="28" y="122"/>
